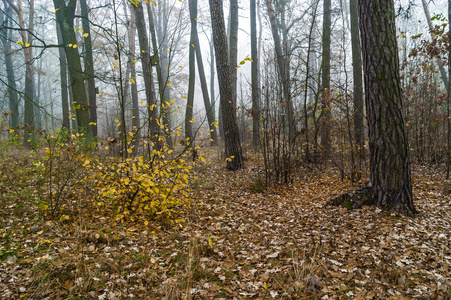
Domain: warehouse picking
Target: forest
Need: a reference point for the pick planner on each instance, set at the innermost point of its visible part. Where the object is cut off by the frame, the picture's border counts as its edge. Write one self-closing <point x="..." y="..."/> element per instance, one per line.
<point x="225" y="149"/>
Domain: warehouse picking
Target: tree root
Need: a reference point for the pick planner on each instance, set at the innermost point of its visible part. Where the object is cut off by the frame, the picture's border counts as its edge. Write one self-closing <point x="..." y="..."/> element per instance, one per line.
<point x="353" y="199"/>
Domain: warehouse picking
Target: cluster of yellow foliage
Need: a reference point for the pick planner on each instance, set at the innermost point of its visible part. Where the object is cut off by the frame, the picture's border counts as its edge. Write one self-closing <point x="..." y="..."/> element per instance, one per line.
<point x="142" y="188"/>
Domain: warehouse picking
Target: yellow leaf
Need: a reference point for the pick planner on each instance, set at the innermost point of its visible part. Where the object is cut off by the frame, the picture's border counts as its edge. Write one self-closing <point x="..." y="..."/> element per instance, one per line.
<point x="132" y="80"/>
<point x="129" y="150"/>
<point x="100" y="95"/>
<point x="86" y="34"/>
<point x="19" y="42"/>
<point x="75" y="46"/>
<point x="27" y="44"/>
<point x="237" y="67"/>
<point x="56" y="10"/>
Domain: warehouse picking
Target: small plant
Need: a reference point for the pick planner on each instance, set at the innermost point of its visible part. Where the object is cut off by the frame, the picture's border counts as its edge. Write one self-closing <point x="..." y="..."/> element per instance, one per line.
<point x="258" y="186"/>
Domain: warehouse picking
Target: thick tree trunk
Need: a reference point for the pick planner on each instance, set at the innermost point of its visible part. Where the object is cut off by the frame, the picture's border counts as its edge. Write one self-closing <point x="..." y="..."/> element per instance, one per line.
<point x="65" y="17"/>
<point x="357" y="76"/>
<point x="326" y="115"/>
<point x="89" y="65"/>
<point x="231" y="133"/>
<point x="449" y="92"/>
<point x="255" y="78"/>
<point x="390" y="177"/>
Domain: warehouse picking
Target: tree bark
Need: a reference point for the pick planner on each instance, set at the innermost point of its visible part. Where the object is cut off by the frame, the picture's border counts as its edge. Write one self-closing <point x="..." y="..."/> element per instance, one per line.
<point x="12" y="89"/>
<point x="233" y="46"/>
<point x="189" y="134"/>
<point x="203" y="81"/>
<point x="284" y="70"/>
<point x="255" y="78"/>
<point x="27" y="41"/>
<point x="89" y="66"/>
<point x="63" y="76"/>
<point x="431" y="28"/>
<point x="390" y="177"/>
<point x="232" y="143"/>
<point x="325" y="93"/>
<point x="65" y="18"/>
<point x="152" y="108"/>
<point x="357" y="76"/>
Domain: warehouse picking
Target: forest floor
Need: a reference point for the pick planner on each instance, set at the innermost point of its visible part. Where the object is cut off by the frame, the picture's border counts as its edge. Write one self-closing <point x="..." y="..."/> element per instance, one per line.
<point x="239" y="240"/>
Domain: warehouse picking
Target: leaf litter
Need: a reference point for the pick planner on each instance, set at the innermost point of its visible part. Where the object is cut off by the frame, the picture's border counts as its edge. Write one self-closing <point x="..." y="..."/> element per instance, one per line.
<point x="279" y="243"/>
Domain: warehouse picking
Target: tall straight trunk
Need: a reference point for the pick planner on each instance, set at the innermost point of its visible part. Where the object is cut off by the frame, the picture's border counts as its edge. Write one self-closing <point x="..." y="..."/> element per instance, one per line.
<point x="89" y="65"/>
<point x="255" y="78"/>
<point x="152" y="108"/>
<point x="12" y="88"/>
<point x="284" y="70"/>
<point x="131" y="71"/>
<point x="65" y="18"/>
<point x="233" y="45"/>
<point x="63" y="76"/>
<point x="162" y="72"/>
<point x="203" y="81"/>
<point x="357" y="76"/>
<point x="325" y="96"/>
<point x="27" y="41"/>
<point x="189" y="135"/>
<point x="390" y="176"/>
<point x="232" y="143"/>
<point x="37" y="98"/>
<point x="431" y="28"/>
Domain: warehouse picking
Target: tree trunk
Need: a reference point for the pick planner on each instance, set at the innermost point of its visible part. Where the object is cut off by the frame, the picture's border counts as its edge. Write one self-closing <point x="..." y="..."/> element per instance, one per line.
<point x="89" y="65"/>
<point x="63" y="75"/>
<point x="203" y="81"/>
<point x="231" y="133"/>
<point x="131" y="74"/>
<point x="284" y="70"/>
<point x="325" y="95"/>
<point x="189" y="134"/>
<point x="255" y="78"/>
<point x="357" y="76"/>
<point x="390" y="177"/>
<point x="5" y="37"/>
<point x="162" y="73"/>
<point x="65" y="17"/>
<point x="233" y="46"/>
<point x="27" y="41"/>
<point x="431" y="28"/>
<point x="152" y="108"/>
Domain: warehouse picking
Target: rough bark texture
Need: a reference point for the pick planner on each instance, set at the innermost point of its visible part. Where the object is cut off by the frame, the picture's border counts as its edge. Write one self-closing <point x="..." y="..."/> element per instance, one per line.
<point x="255" y="78"/>
<point x="89" y="66"/>
<point x="357" y="77"/>
<point x="231" y="133"/>
<point x="390" y="176"/>
<point x="449" y="90"/>
<point x="65" y="16"/>
<point x="325" y="93"/>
